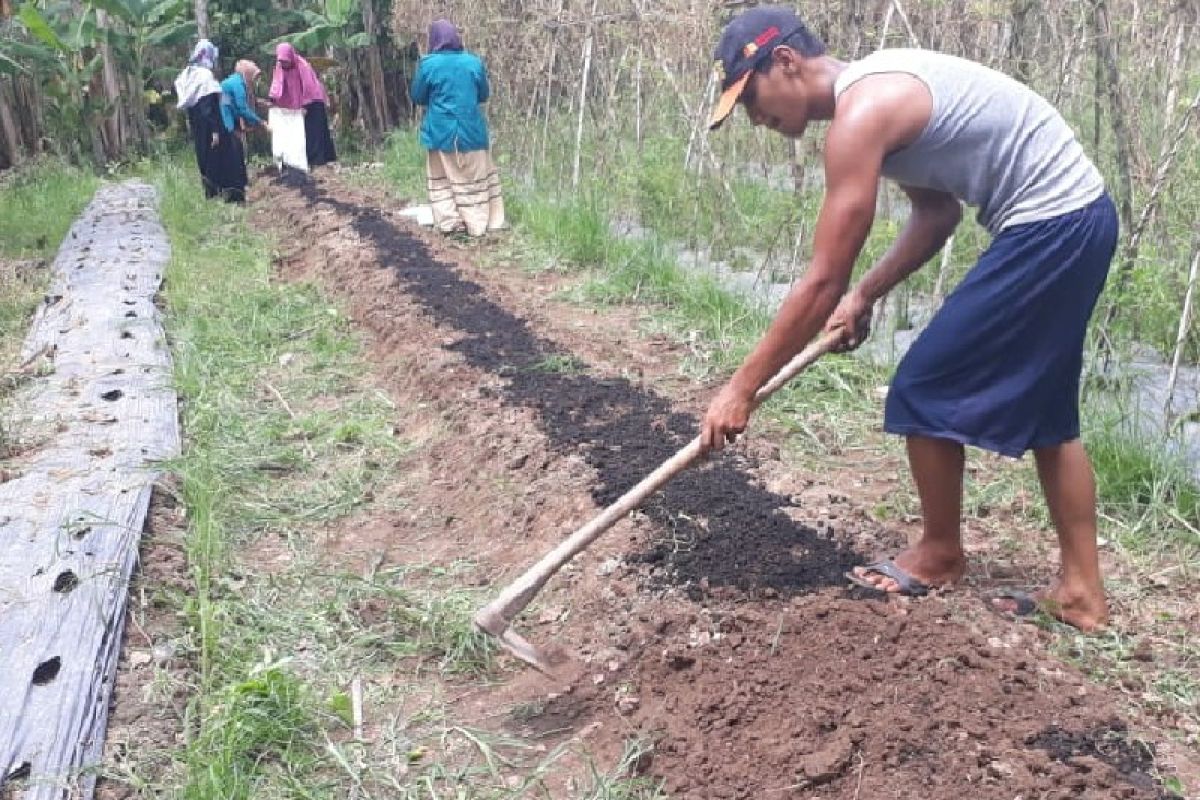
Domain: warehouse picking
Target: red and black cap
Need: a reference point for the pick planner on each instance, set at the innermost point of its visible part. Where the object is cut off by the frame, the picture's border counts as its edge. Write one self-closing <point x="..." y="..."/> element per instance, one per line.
<point x="745" y="43"/>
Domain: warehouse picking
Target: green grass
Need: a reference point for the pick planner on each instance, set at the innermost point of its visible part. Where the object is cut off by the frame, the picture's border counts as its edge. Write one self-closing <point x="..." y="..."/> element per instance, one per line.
<point x="617" y="783"/>
<point x="264" y="719"/>
<point x="280" y="434"/>
<point x="1143" y="487"/>
<point x="22" y="286"/>
<point x="571" y="233"/>
<point x="38" y="203"/>
<point x="404" y="165"/>
<point x="284" y="435"/>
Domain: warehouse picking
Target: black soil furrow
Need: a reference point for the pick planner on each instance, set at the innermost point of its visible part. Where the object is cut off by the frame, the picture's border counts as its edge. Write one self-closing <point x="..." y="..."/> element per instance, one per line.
<point x="998" y="727"/>
<point x="716" y="523"/>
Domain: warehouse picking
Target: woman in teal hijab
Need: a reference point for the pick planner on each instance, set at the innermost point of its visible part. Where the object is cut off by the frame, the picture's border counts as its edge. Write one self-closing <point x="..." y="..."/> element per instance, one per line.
<point x="464" y="186"/>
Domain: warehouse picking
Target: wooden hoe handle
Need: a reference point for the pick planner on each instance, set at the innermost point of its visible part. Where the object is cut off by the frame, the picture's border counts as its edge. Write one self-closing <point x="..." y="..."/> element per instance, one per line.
<point x="494" y="618"/>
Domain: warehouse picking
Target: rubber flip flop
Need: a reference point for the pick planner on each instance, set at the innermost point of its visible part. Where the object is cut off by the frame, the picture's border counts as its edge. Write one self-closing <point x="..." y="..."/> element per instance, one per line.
<point x="909" y="586"/>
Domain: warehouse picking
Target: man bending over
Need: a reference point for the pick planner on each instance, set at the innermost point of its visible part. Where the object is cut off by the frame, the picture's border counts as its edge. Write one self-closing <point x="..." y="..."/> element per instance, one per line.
<point x="998" y="367"/>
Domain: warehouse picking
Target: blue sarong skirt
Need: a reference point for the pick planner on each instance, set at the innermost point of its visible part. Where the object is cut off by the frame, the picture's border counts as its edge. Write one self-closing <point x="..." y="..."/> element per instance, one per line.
<point x="998" y="366"/>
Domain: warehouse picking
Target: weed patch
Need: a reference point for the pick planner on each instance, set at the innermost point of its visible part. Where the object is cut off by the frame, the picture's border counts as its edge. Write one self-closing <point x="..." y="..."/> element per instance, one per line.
<point x="281" y="433"/>
<point x="38" y="203"/>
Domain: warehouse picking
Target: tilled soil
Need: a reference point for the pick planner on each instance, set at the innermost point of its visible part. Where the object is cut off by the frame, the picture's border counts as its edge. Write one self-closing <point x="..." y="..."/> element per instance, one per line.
<point x="846" y="699"/>
<point x="150" y="691"/>
<point x="716" y="622"/>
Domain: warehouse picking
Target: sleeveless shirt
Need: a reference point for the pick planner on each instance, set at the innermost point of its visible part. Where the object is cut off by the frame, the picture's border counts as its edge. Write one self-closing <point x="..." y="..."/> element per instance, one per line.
<point x="991" y="141"/>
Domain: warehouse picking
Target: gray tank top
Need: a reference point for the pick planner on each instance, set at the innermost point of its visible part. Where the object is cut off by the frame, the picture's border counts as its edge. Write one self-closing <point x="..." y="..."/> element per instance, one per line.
<point x="991" y="142"/>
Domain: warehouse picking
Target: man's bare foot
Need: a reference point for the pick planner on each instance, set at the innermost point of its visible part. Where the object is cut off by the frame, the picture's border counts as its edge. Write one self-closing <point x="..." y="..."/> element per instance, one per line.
<point x="1087" y="611"/>
<point x="930" y="566"/>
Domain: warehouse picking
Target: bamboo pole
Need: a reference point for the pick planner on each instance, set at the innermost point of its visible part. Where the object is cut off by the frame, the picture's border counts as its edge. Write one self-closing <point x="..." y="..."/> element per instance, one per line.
<point x="939" y="286"/>
<point x="550" y="81"/>
<point x="1174" y="77"/>
<point x="887" y="23"/>
<point x="583" y="88"/>
<point x="1185" y="321"/>
<point x="1161" y="176"/>
<point x="637" y="98"/>
<point x="699" y="128"/>
<point x="912" y="36"/>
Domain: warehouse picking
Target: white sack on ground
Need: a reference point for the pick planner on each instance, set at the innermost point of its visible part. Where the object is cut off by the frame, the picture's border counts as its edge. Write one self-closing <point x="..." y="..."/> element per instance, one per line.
<point x="287" y="137"/>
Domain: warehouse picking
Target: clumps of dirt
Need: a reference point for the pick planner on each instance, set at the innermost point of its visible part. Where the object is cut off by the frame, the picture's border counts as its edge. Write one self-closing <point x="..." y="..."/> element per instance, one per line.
<point x="151" y="691"/>
<point x="835" y="698"/>
<point x="1109" y="743"/>
<point x="715" y="526"/>
<point x="292" y="178"/>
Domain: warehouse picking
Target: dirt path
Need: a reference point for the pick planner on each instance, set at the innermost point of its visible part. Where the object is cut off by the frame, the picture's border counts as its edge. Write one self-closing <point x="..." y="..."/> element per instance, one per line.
<point x="716" y="622"/>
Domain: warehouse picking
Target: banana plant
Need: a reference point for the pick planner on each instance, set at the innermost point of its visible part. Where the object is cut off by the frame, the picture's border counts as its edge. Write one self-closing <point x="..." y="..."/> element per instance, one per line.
<point x="61" y="52"/>
<point x="136" y="30"/>
<point x="337" y="24"/>
<point x="65" y="47"/>
<point x="147" y="26"/>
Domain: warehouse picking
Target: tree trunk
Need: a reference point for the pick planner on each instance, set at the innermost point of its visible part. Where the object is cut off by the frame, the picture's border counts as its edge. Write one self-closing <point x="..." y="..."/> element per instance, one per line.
<point x="201" y="7"/>
<point x="1116" y="108"/>
<point x="380" y="106"/>
<point x="358" y="84"/>
<point x="10" y="138"/>
<point x="1018" y="43"/>
<point x="113" y="128"/>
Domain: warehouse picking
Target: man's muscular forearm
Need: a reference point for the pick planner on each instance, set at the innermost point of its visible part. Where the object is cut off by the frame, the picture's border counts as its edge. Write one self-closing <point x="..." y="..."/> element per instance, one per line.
<point x="927" y="230"/>
<point x="800" y="317"/>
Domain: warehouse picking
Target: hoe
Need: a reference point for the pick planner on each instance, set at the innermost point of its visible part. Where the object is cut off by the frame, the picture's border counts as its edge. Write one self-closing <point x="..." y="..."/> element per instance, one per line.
<point x="495" y="618"/>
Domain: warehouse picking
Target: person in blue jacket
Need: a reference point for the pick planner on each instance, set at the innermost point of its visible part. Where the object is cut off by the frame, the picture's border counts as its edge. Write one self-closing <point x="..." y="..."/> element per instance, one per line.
<point x="237" y="114"/>
<point x="464" y="186"/>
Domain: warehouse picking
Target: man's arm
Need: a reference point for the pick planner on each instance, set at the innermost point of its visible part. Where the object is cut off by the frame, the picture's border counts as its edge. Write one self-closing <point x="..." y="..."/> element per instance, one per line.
<point x="934" y="217"/>
<point x="845" y="219"/>
<point x="854" y="150"/>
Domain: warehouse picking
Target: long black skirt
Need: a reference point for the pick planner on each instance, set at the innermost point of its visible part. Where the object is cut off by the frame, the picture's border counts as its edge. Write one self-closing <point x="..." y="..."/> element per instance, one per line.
<point x="223" y="166"/>
<point x="231" y="174"/>
<point x="318" y="142"/>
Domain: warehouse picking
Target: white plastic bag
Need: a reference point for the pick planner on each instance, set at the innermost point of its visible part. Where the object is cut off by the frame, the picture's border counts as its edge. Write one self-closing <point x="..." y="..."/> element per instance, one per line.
<point x="288" y="145"/>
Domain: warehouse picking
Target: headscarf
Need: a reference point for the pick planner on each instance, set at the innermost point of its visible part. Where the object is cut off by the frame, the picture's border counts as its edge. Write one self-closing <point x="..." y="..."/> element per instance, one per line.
<point x="204" y="54"/>
<point x="296" y="87"/>
<point x="249" y="72"/>
<point x="444" y="36"/>
<point x="196" y="81"/>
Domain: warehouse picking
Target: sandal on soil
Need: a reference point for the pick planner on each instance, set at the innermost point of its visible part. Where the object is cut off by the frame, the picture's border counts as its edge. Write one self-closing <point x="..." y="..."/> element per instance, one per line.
<point x="909" y="586"/>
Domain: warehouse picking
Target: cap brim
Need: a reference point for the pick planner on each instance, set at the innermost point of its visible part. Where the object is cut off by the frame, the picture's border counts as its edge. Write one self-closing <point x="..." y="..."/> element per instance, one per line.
<point x="727" y="102"/>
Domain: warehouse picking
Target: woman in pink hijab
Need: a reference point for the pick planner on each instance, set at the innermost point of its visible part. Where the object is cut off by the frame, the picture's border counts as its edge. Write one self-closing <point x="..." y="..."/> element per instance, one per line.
<point x="295" y="85"/>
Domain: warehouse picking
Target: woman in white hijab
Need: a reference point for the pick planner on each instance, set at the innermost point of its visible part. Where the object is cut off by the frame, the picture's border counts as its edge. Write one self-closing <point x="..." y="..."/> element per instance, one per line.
<point x="200" y="95"/>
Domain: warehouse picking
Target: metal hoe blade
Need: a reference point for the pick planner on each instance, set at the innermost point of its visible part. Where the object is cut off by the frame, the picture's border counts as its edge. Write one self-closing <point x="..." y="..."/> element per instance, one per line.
<point x="523" y="649"/>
